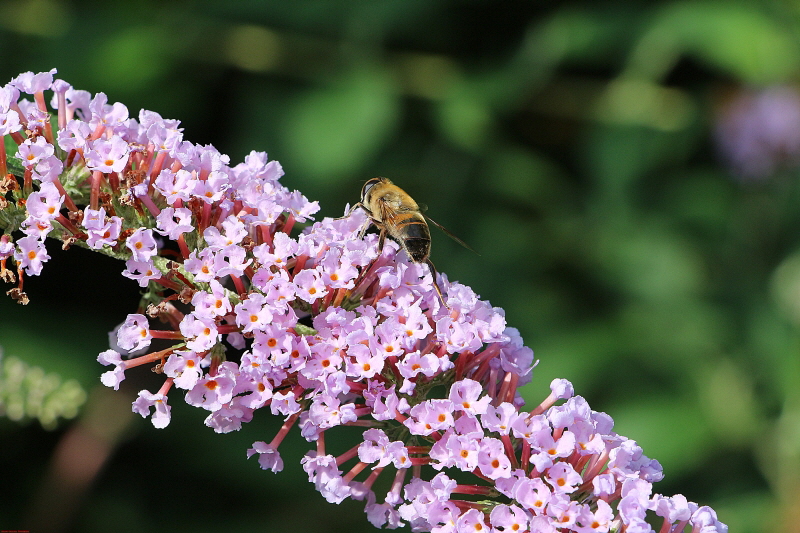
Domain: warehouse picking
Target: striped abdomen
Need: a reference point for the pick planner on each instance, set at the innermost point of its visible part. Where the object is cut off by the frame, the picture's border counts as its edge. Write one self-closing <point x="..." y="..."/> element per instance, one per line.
<point x="410" y="230"/>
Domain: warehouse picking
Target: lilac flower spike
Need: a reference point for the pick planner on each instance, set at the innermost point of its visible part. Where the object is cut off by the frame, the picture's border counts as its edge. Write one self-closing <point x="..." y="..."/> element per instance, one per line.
<point x="315" y="327"/>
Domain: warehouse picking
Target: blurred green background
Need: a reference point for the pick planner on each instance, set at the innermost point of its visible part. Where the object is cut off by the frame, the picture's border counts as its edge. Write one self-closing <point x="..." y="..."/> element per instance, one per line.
<point x="628" y="171"/>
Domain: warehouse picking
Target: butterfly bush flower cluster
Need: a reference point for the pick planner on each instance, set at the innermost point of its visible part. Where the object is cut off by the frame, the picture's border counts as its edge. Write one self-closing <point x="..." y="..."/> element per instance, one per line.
<point x="318" y="327"/>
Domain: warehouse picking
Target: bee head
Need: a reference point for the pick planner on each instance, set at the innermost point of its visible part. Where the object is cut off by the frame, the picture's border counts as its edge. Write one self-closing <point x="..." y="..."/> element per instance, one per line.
<point x="370" y="184"/>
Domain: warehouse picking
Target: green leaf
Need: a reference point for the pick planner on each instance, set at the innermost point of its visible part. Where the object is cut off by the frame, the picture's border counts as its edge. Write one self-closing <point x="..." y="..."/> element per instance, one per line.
<point x="737" y="38"/>
<point x="666" y="427"/>
<point x="304" y="330"/>
<point x="334" y="130"/>
<point x="14" y="165"/>
<point x="465" y="118"/>
<point x="30" y="392"/>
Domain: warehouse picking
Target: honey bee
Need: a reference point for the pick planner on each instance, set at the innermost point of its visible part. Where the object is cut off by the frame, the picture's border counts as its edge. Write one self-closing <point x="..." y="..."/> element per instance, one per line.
<point x="397" y="215"/>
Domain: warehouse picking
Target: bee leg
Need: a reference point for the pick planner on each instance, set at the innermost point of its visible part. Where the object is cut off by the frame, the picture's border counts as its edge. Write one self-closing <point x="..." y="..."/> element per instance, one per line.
<point x="365" y="227"/>
<point x="436" y="285"/>
<point x="381" y="241"/>
<point x="356" y="206"/>
<point x="366" y="269"/>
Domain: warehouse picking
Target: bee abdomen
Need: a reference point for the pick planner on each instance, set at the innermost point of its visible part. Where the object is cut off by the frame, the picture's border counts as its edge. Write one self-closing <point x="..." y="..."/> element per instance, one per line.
<point x="415" y="229"/>
<point x="417" y="248"/>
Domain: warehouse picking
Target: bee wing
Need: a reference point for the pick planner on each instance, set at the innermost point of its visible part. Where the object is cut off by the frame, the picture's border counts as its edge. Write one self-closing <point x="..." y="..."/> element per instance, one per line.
<point x="449" y="234"/>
